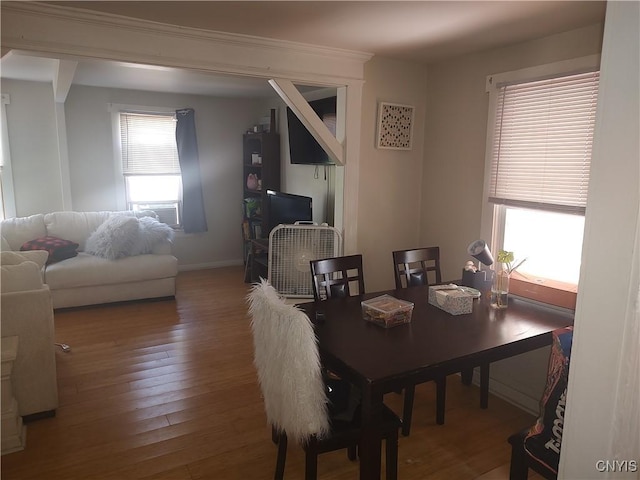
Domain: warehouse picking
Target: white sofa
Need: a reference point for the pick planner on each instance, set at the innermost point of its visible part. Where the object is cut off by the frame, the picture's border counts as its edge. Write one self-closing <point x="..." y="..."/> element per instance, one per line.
<point x="88" y="279"/>
<point x="27" y="313"/>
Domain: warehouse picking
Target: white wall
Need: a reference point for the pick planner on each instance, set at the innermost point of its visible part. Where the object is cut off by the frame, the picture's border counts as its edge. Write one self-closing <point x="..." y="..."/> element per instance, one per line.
<point x="601" y="377"/>
<point x="452" y="182"/>
<point x="31" y="124"/>
<point x="392" y="211"/>
<point x="390" y="181"/>
<point x="455" y="136"/>
<point x="220" y="123"/>
<point x="55" y="30"/>
<point x="309" y="180"/>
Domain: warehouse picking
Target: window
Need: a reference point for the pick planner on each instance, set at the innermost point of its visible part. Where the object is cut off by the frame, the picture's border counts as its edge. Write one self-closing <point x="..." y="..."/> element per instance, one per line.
<point x="521" y="234"/>
<point x="538" y="174"/>
<point x="149" y="159"/>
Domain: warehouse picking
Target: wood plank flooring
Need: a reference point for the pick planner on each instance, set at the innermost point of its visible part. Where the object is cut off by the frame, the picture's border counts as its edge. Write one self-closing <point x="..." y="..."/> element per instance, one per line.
<point x="167" y="390"/>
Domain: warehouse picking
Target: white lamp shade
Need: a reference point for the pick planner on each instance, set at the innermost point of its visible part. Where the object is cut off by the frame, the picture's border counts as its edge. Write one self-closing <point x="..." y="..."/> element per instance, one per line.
<point x="480" y="251"/>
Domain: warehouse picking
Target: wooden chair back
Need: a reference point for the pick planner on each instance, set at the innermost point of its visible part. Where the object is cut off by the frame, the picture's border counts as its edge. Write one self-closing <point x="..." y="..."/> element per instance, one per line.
<point x="333" y="277"/>
<point x="296" y="398"/>
<point x="412" y="267"/>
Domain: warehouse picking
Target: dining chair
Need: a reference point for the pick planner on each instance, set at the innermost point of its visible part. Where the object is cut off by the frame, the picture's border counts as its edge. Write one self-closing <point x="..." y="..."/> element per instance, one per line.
<point x="327" y="284"/>
<point x="330" y="278"/>
<point x="538" y="447"/>
<point x="412" y="268"/>
<point x="333" y="277"/>
<point x="298" y="403"/>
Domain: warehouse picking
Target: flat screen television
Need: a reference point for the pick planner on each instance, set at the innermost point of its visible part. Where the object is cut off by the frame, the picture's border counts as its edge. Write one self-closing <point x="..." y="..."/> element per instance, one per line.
<point x="303" y="148"/>
<point x="286" y="208"/>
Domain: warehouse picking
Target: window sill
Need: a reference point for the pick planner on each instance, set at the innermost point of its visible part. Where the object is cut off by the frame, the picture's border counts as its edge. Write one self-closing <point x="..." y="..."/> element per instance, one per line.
<point x="544" y="290"/>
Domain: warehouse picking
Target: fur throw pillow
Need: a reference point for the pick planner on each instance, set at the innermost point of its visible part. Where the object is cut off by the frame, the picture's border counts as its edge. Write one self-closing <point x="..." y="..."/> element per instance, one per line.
<point x="151" y="232"/>
<point x="123" y="236"/>
<point x="114" y="238"/>
<point x="288" y="363"/>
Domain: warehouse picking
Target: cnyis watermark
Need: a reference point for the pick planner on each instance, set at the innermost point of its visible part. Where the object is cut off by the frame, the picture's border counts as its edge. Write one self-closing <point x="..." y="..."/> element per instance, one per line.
<point x="617" y="466"/>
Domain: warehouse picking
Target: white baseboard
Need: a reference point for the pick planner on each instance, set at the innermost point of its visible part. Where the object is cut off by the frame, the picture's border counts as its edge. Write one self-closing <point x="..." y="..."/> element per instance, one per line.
<point x="205" y="266"/>
<point x="502" y="390"/>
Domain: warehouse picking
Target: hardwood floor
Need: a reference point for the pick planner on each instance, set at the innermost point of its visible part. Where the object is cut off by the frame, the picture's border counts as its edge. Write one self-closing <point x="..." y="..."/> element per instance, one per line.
<point x="167" y="390"/>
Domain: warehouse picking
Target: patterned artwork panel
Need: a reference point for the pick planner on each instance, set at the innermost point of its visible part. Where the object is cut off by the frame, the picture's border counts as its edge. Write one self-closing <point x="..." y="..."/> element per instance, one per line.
<point x="395" y="126"/>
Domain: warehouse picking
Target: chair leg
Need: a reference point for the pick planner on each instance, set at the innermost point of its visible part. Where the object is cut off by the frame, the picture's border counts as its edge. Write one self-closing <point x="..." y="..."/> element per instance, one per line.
<point x="311" y="461"/>
<point x="407" y="409"/>
<point x="282" y="455"/>
<point x="391" y="450"/>
<point x="518" y="469"/>
<point x="441" y="394"/>
<point x="484" y="385"/>
<point x="352" y="452"/>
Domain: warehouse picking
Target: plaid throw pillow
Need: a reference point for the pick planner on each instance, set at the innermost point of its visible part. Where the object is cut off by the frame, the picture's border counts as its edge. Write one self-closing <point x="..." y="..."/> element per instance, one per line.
<point x="58" y="248"/>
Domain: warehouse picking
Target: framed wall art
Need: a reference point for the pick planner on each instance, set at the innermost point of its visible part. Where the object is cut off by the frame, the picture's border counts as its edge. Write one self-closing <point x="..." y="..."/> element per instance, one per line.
<point x="395" y="126"/>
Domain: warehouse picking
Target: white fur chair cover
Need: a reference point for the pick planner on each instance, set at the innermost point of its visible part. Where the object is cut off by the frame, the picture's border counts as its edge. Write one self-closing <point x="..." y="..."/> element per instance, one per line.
<point x="288" y="363"/>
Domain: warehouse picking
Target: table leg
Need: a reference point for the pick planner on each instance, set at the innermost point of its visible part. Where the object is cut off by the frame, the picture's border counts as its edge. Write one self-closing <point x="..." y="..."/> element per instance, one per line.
<point x="252" y="268"/>
<point x="407" y="409"/>
<point x="371" y="442"/>
<point x="484" y="385"/>
<point x="466" y="376"/>
<point x="441" y="395"/>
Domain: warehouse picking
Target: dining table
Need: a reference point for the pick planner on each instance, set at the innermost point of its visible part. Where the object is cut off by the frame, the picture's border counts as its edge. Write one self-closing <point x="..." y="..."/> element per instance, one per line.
<point x="433" y="344"/>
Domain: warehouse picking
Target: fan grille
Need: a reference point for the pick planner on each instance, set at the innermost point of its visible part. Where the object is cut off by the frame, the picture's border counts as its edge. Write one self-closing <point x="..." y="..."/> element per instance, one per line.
<point x="291" y="248"/>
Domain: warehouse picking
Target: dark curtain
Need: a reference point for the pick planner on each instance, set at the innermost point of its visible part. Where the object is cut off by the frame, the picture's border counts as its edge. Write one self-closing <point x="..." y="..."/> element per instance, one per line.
<point x="193" y="217"/>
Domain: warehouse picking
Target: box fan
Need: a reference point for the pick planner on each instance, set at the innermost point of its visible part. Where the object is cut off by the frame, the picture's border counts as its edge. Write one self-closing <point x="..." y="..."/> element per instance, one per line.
<point x="291" y="248"/>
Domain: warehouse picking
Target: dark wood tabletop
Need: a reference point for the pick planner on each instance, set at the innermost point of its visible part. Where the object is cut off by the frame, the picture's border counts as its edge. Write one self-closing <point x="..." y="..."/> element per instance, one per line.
<point x="434" y="343"/>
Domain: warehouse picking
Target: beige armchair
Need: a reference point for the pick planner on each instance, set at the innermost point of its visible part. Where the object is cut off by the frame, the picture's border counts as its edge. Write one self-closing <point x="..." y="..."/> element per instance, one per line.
<point x="27" y="312"/>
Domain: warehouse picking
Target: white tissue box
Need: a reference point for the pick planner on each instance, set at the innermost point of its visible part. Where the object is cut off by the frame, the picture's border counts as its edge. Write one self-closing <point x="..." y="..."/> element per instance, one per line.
<point x="451" y="299"/>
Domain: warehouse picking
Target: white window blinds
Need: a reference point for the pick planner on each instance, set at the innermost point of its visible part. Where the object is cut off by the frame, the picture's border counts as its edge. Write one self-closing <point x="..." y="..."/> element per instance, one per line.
<point x="148" y="144"/>
<point x="542" y="143"/>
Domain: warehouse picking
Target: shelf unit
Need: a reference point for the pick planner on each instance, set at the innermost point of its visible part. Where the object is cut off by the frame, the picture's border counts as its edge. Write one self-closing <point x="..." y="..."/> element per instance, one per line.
<point x="260" y="159"/>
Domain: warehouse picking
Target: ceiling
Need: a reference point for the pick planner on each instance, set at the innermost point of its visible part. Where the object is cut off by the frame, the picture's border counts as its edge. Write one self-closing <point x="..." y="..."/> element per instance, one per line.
<point x="102" y="73"/>
<point x="417" y="31"/>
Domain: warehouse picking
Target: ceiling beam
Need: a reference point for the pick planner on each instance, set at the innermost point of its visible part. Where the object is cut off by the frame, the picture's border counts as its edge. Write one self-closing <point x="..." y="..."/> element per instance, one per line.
<point x="63" y="78"/>
<point x="299" y="105"/>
